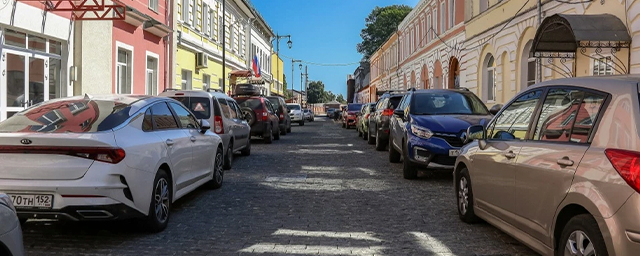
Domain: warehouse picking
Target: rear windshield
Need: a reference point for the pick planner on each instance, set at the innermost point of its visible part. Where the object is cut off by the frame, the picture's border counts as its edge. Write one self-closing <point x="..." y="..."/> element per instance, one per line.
<point x="77" y="115"/>
<point x="293" y="107"/>
<point x="200" y="106"/>
<point x="251" y="103"/>
<point x="275" y="101"/>
<point x="394" y="101"/>
<point x="354" y="107"/>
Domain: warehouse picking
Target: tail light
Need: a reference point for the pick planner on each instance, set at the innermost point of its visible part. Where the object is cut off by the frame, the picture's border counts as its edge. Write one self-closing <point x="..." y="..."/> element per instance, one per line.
<point x="217" y="125"/>
<point x="265" y="116"/>
<point x="107" y="155"/>
<point x="627" y="164"/>
<point x="366" y="116"/>
<point x="281" y="116"/>
<point x="387" y="112"/>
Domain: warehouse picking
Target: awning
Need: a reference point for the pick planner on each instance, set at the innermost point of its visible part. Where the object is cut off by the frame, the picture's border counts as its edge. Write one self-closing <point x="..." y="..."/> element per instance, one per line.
<point x="560" y="35"/>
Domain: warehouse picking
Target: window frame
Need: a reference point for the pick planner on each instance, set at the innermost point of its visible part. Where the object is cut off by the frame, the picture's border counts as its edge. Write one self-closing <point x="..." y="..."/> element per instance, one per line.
<point x="154" y="5"/>
<point x="129" y="66"/>
<point x="177" y="117"/>
<point x="156" y="73"/>
<point x="536" y="114"/>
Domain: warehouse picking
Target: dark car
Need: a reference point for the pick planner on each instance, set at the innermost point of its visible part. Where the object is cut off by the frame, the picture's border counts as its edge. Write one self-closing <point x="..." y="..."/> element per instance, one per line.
<point x="349" y="116"/>
<point x="378" y="132"/>
<point x="330" y="112"/>
<point x="261" y="116"/>
<point x="282" y="112"/>
<point x="363" y="120"/>
<point x="428" y="128"/>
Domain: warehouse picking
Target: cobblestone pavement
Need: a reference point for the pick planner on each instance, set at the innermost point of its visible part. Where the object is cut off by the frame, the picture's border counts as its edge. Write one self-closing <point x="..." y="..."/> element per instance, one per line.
<point x="319" y="190"/>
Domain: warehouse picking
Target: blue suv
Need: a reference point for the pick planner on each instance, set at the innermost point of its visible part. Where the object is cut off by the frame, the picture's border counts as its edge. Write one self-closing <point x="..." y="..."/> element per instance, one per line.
<point x="428" y="127"/>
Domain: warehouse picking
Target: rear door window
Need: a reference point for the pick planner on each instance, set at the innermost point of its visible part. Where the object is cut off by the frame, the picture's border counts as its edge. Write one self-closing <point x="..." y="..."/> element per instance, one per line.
<point x="200" y="106"/>
<point x="225" y="108"/>
<point x="162" y="117"/>
<point x="394" y="102"/>
<point x="186" y="119"/>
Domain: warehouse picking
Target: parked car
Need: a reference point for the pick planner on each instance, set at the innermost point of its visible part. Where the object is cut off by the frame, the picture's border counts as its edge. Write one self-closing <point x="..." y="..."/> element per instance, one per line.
<point x="282" y="112"/>
<point x="428" y="127"/>
<point x="10" y="231"/>
<point x="349" y="116"/>
<point x="363" y="120"/>
<point x="331" y="112"/>
<point x="261" y="116"/>
<point x="378" y="132"/>
<point x="295" y="111"/>
<point x="106" y="157"/>
<point x="557" y="167"/>
<point x="308" y="115"/>
<point x="224" y="113"/>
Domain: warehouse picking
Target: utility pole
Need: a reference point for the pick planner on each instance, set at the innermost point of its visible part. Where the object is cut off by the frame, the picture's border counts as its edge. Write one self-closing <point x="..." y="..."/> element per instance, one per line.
<point x="224" y="55"/>
<point x="293" y="76"/>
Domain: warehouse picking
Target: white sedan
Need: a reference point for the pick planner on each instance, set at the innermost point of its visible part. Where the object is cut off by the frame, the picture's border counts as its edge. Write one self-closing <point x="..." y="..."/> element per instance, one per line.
<point x="106" y="157"/>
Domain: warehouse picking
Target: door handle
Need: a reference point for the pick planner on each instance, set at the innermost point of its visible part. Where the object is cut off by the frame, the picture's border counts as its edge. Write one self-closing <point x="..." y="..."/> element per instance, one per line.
<point x="193" y="138"/>
<point x="565" y="161"/>
<point x="510" y="154"/>
<point x="169" y="142"/>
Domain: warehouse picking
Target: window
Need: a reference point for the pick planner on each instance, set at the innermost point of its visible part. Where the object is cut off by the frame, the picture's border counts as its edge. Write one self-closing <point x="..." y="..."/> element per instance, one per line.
<point x="226" y="109"/>
<point x="452" y="13"/>
<point x="147" y="123"/>
<point x="234" y="107"/>
<point x="153" y="5"/>
<point x="429" y="28"/>
<point x="200" y="106"/>
<point x="185" y="11"/>
<point x="490" y="79"/>
<point x="123" y="72"/>
<point x="194" y="14"/>
<point x="435" y="22"/>
<point x="186" y="79"/>
<point x="586" y="117"/>
<point x="213" y="27"/>
<point x="206" y="81"/>
<point x="602" y="66"/>
<point x="152" y="75"/>
<point x="162" y="117"/>
<point x="187" y="120"/>
<point x="484" y="5"/>
<point x="447" y="103"/>
<point x="513" y="122"/>
<point x="443" y="20"/>
<point x="206" y="19"/>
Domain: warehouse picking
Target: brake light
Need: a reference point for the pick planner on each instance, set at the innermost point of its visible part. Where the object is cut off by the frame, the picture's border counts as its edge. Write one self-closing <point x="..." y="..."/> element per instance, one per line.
<point x="217" y="125"/>
<point x="265" y="115"/>
<point x="281" y="116"/>
<point x="107" y="155"/>
<point x="387" y="112"/>
<point x="627" y="164"/>
<point x="366" y="116"/>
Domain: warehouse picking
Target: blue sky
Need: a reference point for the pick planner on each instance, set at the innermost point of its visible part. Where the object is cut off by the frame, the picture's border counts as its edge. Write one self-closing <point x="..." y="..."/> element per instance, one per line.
<point x="322" y="31"/>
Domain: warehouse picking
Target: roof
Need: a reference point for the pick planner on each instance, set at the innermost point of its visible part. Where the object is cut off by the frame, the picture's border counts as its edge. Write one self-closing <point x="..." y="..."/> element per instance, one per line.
<point x="602" y="83"/>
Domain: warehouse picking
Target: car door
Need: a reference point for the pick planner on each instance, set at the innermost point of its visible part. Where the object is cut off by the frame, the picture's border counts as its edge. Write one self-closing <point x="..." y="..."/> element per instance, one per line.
<point x="242" y="128"/>
<point x="203" y="149"/>
<point x="375" y="116"/>
<point x="546" y="163"/>
<point x="228" y="115"/>
<point x="273" y="118"/>
<point x="493" y="170"/>
<point x="397" y="124"/>
<point x="178" y="144"/>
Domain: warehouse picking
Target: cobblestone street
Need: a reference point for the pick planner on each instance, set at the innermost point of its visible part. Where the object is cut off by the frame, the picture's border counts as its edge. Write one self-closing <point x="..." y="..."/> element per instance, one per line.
<point x="319" y="190"/>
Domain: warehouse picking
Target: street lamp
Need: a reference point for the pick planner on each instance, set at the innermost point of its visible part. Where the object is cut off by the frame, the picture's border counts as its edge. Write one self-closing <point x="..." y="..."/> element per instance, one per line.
<point x="292" y="83"/>
<point x="289" y="43"/>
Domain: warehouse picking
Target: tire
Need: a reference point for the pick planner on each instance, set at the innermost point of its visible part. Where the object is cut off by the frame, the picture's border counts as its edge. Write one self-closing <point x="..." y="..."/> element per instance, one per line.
<point x="218" y="172"/>
<point x="379" y="145"/>
<point x="394" y="155"/>
<point x="283" y="131"/>
<point x="156" y="221"/>
<point x="464" y="195"/>
<point x="587" y="225"/>
<point x="365" y="135"/>
<point x="228" y="157"/>
<point x="359" y="132"/>
<point x="246" y="151"/>
<point x="409" y="171"/>
<point x="289" y="128"/>
<point x="344" y="125"/>
<point x="250" y="116"/>
<point x="370" y="140"/>
<point x="276" y="136"/>
<point x="268" y="136"/>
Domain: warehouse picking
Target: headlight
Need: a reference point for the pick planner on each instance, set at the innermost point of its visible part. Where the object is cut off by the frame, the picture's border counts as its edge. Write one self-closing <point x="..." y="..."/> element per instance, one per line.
<point x="421" y="131"/>
<point x="6" y="200"/>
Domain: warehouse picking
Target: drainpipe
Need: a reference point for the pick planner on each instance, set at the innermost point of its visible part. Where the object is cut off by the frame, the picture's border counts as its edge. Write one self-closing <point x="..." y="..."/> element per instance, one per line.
<point x="539" y="62"/>
<point x="168" y="45"/>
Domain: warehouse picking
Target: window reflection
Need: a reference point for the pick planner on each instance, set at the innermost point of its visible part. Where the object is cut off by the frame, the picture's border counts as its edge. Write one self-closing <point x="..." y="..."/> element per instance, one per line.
<point x="513" y="122"/>
<point x="15" y="38"/>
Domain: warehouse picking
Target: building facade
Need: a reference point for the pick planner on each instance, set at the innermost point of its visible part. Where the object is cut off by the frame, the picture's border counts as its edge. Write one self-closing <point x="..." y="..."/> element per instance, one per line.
<point x="362" y="76"/>
<point x="36" y="55"/>
<point x="384" y="64"/>
<point x="277" y="67"/>
<point x="261" y="48"/>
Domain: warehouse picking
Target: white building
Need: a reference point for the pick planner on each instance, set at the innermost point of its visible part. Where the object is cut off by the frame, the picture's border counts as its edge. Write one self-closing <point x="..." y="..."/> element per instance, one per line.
<point x="260" y="45"/>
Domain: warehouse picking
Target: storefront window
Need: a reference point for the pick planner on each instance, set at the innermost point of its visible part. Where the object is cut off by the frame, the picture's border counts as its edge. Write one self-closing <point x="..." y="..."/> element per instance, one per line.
<point x="37" y="43"/>
<point x="15" y="38"/>
<point x="55" y="47"/>
<point x="15" y="80"/>
<point x="55" y="90"/>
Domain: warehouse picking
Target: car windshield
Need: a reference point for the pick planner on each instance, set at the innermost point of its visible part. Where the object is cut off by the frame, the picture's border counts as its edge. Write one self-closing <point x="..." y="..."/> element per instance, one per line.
<point x="293" y="107"/>
<point x="249" y="103"/>
<point x="200" y="106"/>
<point x="447" y="103"/>
<point x="354" y="107"/>
<point x="77" y="115"/>
<point x="394" y="102"/>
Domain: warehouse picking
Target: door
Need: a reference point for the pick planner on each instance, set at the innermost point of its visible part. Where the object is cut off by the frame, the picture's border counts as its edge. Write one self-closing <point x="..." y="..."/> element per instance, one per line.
<point x="24" y="76"/>
<point x="546" y="164"/>
<point x="242" y="129"/>
<point x="493" y="170"/>
<point x="203" y="148"/>
<point x="177" y="144"/>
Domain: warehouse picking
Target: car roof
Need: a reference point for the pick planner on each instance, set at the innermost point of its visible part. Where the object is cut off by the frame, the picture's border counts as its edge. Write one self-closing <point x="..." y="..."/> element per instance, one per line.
<point x="195" y="93"/>
<point x="600" y="83"/>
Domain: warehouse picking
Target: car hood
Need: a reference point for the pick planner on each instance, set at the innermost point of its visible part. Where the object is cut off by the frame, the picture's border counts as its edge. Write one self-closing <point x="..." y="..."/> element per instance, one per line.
<point x="449" y="123"/>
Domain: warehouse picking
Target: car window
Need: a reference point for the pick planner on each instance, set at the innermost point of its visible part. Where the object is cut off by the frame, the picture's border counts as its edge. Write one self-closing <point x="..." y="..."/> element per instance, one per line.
<point x="383" y="104"/>
<point x="237" y="109"/>
<point x="394" y="102"/>
<point x="251" y="103"/>
<point x="187" y="120"/>
<point x="269" y="106"/>
<point x="558" y="114"/>
<point x="226" y="111"/>
<point x="162" y="117"/>
<point x="293" y="107"/>
<point x="147" y="123"/>
<point x="447" y="103"/>
<point x="513" y="122"/>
<point x="403" y="102"/>
<point x="588" y="111"/>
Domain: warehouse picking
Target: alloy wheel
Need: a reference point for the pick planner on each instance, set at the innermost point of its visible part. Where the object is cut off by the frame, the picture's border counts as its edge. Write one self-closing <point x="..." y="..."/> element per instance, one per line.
<point x="579" y="244"/>
<point x="463" y="195"/>
<point x="161" y="196"/>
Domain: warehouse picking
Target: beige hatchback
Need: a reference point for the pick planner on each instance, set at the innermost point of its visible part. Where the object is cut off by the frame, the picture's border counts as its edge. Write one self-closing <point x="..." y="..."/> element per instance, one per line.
<point x="558" y="168"/>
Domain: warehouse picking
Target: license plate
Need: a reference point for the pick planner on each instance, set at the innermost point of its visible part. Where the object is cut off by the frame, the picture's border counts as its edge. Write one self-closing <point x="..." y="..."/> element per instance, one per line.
<point x="454" y="152"/>
<point x="32" y="201"/>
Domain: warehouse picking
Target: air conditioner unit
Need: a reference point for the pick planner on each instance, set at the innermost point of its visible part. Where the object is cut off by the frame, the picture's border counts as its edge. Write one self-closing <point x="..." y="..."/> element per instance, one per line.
<point x="202" y="60"/>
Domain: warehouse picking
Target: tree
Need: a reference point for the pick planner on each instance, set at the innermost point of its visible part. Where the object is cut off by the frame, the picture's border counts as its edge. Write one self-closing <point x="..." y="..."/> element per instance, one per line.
<point x="341" y="99"/>
<point x="315" y="92"/>
<point x="329" y="96"/>
<point x="379" y="25"/>
<point x="286" y="92"/>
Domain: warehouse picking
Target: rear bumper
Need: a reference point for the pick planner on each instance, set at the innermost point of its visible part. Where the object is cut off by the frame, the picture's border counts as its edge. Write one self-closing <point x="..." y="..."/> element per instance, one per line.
<point x="259" y="128"/>
<point x="79" y="213"/>
<point x="621" y="231"/>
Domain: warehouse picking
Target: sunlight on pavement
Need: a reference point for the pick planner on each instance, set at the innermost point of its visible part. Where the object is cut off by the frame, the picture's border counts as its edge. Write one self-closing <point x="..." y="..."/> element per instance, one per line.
<point x="328" y="145"/>
<point x="431" y="243"/>
<point x="312" y="249"/>
<point x="325" y="151"/>
<point x="330" y="234"/>
<point x="323" y="184"/>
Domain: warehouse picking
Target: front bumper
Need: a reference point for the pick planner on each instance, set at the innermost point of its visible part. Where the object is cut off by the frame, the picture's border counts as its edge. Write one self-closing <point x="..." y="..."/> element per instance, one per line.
<point x="296" y="117"/>
<point x="434" y="152"/>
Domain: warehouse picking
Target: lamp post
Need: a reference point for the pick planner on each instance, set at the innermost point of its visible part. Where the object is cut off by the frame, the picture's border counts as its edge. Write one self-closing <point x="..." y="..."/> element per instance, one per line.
<point x="300" y="66"/>
<point x="292" y="76"/>
<point x="289" y="43"/>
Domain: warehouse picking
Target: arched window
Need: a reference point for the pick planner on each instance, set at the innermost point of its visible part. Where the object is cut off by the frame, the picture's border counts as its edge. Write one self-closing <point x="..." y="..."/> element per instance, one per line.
<point x="527" y="67"/>
<point x="490" y="78"/>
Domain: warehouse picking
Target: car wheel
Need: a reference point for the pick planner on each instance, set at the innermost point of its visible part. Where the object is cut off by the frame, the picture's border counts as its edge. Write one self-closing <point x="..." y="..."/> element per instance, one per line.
<point x="160" y="205"/>
<point x="283" y="131"/>
<point x="268" y="136"/>
<point x="359" y="132"/>
<point x="344" y="125"/>
<point x="246" y="151"/>
<point x="289" y="128"/>
<point x="276" y="135"/>
<point x="249" y="115"/>
<point x="379" y="145"/>
<point x="464" y="193"/>
<point x="408" y="170"/>
<point x="302" y="123"/>
<point x="218" y="171"/>
<point x="370" y="140"/>
<point x="581" y="236"/>
<point x="228" y="159"/>
<point x="365" y="135"/>
<point x="394" y="155"/>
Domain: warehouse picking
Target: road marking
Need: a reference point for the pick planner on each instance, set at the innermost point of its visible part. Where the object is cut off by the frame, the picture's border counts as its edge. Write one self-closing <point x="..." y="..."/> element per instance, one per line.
<point x="331" y="234"/>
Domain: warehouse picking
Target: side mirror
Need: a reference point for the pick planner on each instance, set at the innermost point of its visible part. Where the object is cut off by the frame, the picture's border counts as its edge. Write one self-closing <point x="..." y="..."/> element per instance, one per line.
<point x="475" y="132"/>
<point x="495" y="109"/>
<point x="204" y="125"/>
<point x="399" y="112"/>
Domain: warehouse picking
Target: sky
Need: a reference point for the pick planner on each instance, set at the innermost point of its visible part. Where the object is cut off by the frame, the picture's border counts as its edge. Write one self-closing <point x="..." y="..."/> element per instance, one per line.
<point x="322" y="31"/>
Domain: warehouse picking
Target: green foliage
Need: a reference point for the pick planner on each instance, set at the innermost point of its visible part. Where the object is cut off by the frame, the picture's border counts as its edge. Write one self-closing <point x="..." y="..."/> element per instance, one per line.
<point x="341" y="99"/>
<point x="315" y="92"/>
<point x="379" y="25"/>
<point x="329" y="96"/>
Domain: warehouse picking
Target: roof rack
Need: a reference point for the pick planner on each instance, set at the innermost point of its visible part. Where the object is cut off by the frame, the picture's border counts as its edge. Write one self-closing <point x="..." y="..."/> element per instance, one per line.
<point x="169" y="89"/>
<point x="214" y="90"/>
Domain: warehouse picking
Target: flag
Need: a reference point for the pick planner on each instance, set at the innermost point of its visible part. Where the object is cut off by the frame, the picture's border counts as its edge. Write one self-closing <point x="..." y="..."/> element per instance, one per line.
<point x="256" y="66"/>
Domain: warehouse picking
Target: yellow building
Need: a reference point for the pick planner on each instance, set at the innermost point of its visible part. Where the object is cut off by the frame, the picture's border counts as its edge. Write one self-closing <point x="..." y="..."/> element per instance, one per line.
<point x="199" y="42"/>
<point x="277" y="69"/>
<point x="384" y="64"/>
<point x="509" y="46"/>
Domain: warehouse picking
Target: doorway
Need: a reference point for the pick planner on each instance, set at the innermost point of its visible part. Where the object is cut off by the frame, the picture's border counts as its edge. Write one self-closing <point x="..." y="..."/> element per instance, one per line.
<point x="23" y="82"/>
